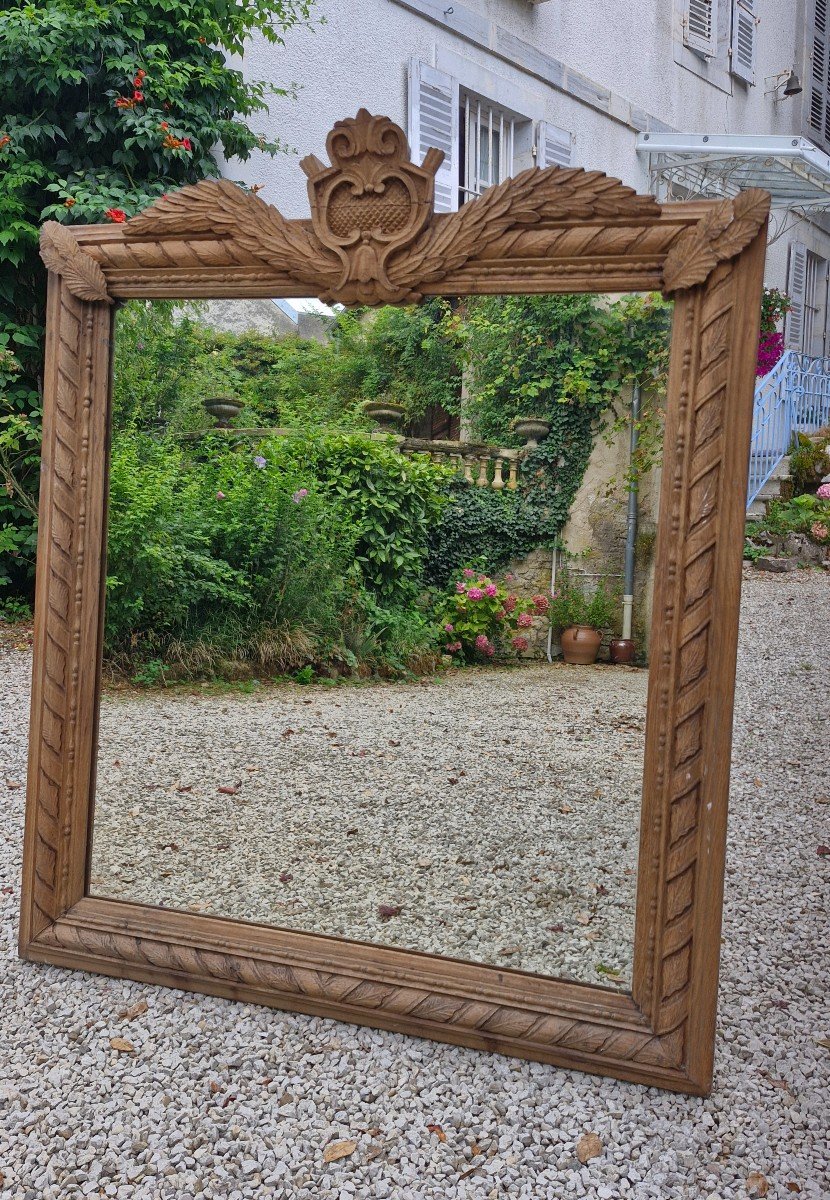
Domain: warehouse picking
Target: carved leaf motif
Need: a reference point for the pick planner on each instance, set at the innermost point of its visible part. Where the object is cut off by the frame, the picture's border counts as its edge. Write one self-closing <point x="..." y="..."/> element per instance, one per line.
<point x="220" y="207"/>
<point x="80" y="272"/>
<point x="552" y="194"/>
<point x="722" y="234"/>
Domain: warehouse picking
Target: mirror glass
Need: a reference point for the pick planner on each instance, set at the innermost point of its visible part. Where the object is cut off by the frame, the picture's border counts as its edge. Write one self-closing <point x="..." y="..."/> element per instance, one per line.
<point x="347" y="551"/>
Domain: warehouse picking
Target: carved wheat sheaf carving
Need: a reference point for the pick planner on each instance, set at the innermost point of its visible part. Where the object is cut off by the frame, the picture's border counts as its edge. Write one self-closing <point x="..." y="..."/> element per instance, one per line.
<point x="374" y="238"/>
<point x="81" y="273"/>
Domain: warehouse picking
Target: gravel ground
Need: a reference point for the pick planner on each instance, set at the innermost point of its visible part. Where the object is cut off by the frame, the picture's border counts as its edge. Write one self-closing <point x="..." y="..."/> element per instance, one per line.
<point x="231" y="1101"/>
<point x="497" y="811"/>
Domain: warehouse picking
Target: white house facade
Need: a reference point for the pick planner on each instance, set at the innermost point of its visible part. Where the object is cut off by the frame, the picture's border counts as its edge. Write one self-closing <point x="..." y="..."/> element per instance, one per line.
<point x="681" y="97"/>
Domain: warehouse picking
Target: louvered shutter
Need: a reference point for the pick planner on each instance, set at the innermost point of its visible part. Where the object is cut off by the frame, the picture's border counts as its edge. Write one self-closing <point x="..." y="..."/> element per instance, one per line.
<point x="796" y="289"/>
<point x="433" y="121"/>
<point x="818" y="104"/>
<point x="701" y="33"/>
<point x="553" y="146"/>
<point x="743" y="39"/>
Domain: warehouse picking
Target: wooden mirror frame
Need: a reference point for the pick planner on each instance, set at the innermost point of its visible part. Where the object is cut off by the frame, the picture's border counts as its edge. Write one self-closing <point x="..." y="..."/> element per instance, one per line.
<point x="373" y="239"/>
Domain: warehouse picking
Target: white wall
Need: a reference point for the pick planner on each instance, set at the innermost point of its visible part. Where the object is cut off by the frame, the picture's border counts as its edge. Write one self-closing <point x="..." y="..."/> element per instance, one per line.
<point x="624" y="56"/>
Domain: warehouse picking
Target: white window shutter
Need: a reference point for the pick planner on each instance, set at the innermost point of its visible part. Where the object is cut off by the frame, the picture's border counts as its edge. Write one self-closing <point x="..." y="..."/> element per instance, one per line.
<point x="744" y="38"/>
<point x="818" y="109"/>
<point x="796" y="289"/>
<point x="701" y="27"/>
<point x="553" y="145"/>
<point x="433" y="121"/>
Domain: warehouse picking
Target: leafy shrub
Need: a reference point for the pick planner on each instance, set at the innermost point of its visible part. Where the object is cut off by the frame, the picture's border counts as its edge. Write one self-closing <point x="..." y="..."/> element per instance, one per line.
<point x="574" y="605"/>
<point x="808" y="461"/>
<point x="385" y="502"/>
<point x="479" y="616"/>
<point x="216" y="556"/>
<point x="807" y="514"/>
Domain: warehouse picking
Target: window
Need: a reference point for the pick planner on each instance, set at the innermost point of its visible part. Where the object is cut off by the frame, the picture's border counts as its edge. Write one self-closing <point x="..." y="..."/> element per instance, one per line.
<point x="484" y="141"/>
<point x="807" y="286"/>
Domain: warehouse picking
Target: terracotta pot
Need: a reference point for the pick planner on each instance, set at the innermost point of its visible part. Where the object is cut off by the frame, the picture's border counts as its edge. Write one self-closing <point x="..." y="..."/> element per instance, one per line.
<point x="622" y="650"/>
<point x="580" y="644"/>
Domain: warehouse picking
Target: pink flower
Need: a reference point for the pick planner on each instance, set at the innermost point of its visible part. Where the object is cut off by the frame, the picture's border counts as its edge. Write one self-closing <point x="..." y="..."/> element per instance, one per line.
<point x="509" y="577"/>
<point x="524" y="620"/>
<point x="819" y="531"/>
<point x="510" y="604"/>
<point x="448" y="629"/>
<point x="482" y="642"/>
<point x="467" y="573"/>
<point x="490" y="590"/>
<point x="490" y="651"/>
<point x="824" y="492"/>
<point x="520" y="643"/>
<point x="475" y="593"/>
<point x="541" y="604"/>
<point x="459" y="587"/>
<point x="220" y="495"/>
<point x="452" y="647"/>
<point x="300" y="495"/>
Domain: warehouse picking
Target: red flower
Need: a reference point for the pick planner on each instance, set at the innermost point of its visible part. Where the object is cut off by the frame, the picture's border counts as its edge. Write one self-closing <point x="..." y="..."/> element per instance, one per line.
<point x="116" y="214"/>
<point x="186" y="144"/>
<point x="138" y="96"/>
<point x="4" y="140"/>
<point x="123" y="102"/>
<point x="164" y="125"/>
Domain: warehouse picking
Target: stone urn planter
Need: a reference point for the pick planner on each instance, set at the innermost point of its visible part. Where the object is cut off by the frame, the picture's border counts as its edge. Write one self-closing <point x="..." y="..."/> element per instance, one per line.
<point x="223" y="409"/>
<point x="533" y="429"/>
<point x="580" y="644"/>
<point x="386" y="415"/>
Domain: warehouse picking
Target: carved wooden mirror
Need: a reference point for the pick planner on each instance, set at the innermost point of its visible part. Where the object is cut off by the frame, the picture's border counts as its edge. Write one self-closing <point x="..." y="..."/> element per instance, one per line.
<point x="88" y="903"/>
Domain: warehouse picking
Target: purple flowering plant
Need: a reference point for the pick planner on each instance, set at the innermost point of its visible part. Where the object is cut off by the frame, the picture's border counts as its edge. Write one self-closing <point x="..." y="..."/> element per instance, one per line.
<point x="484" y="618"/>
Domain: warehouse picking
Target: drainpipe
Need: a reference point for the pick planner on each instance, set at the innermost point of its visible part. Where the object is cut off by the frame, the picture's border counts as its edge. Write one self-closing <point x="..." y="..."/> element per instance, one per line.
<point x="553" y="554"/>
<point x="631" y="525"/>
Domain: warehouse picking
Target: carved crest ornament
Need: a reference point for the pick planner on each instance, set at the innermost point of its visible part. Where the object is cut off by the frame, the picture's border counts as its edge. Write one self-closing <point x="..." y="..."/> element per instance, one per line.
<point x="374" y="237"/>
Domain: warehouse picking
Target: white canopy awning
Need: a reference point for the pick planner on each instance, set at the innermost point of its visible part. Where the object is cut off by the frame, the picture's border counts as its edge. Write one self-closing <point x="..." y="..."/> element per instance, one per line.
<point x="792" y="169"/>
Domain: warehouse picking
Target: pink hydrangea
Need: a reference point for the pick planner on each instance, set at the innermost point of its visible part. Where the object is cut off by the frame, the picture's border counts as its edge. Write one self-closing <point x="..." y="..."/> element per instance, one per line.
<point x="520" y="643"/>
<point x="524" y="620"/>
<point x="541" y="604"/>
<point x="468" y="573"/>
<point x="220" y="495"/>
<point x="448" y="629"/>
<point x="819" y="531"/>
<point x="509" y="577"/>
<point x="459" y="587"/>
<point x="824" y="492"/>
<point x="475" y="593"/>
<point x="452" y="647"/>
<point x="490" y="590"/>
<point x="490" y="651"/>
<point x="482" y="641"/>
<point x="510" y="604"/>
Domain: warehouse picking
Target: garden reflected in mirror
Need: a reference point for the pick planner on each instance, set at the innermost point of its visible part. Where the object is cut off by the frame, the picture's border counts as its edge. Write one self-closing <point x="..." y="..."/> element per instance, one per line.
<point x="346" y="551"/>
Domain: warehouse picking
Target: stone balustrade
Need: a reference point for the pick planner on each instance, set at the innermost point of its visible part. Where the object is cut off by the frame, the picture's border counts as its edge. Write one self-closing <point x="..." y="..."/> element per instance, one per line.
<point x="482" y="465"/>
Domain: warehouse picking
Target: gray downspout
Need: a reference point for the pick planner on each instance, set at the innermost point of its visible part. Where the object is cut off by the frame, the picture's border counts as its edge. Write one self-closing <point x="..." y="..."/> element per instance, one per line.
<point x="631" y="525"/>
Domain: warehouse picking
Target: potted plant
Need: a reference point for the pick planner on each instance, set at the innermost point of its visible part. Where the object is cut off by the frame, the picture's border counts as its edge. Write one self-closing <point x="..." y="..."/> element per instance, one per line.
<point x="581" y="616"/>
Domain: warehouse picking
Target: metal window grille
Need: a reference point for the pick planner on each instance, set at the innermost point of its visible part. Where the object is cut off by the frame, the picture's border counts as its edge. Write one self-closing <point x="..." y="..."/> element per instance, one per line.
<point x="487" y="136"/>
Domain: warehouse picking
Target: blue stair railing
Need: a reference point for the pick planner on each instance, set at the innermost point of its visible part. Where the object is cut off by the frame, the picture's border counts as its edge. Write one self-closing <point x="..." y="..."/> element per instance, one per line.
<point x="794" y="397"/>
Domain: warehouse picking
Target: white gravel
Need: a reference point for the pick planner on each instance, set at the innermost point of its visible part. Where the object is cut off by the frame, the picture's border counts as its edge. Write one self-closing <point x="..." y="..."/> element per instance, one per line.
<point x="230" y="1101"/>
<point x="497" y="809"/>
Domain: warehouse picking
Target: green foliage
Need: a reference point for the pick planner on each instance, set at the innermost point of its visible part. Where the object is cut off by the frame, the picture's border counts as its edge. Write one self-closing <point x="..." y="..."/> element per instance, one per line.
<point x="574" y="604"/>
<point x="103" y="108"/>
<point x="387" y="503"/>
<point x="808" y="461"/>
<point x="212" y="555"/>
<point x="479" y="616"/>
<point x="807" y="514"/>
<point x="481" y="527"/>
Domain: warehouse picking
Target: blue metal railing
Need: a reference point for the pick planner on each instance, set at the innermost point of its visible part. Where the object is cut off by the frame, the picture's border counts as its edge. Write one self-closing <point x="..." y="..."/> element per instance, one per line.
<point x="794" y="397"/>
